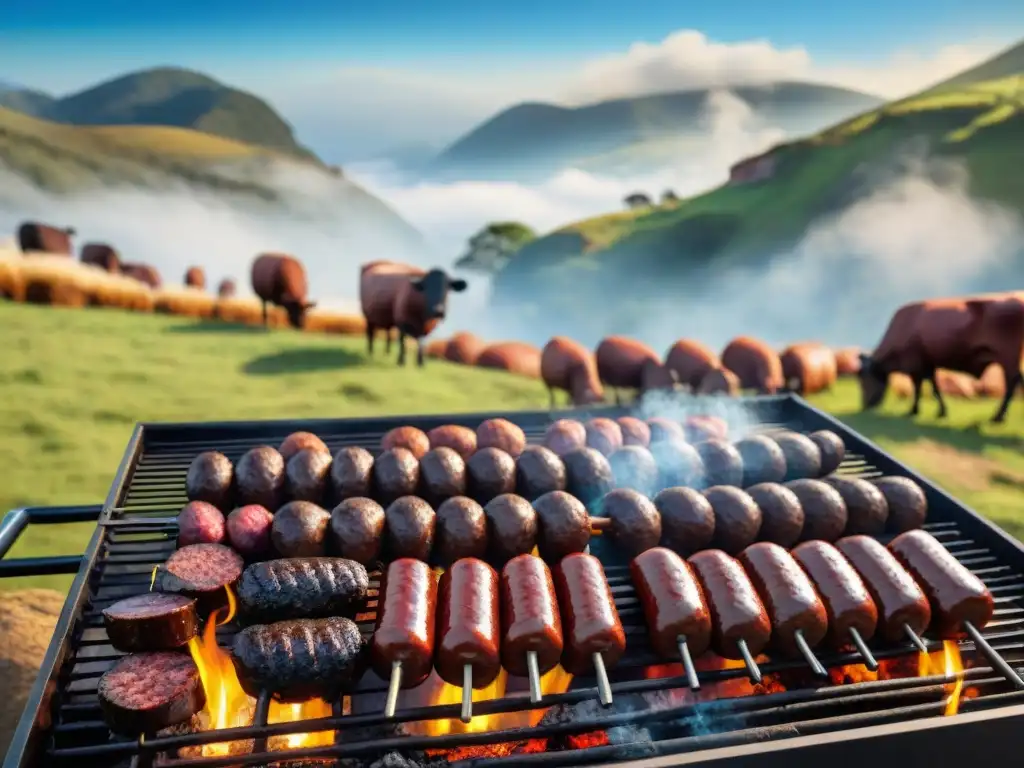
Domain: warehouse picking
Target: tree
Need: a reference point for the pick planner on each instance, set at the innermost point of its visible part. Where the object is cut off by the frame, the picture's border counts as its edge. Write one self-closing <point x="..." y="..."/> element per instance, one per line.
<point x="492" y="247"/>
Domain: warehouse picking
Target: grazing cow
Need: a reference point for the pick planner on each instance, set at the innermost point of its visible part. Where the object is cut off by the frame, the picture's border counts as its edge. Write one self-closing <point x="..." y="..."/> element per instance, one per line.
<point x="281" y="280"/>
<point x="401" y="296"/>
<point x="755" y="364"/>
<point x="848" y="361"/>
<point x="691" y="361"/>
<point x="965" y="335"/>
<point x="101" y="255"/>
<point x="808" y="368"/>
<point x="463" y="348"/>
<point x="33" y="236"/>
<point x="719" y="381"/>
<point x="512" y="356"/>
<point x="569" y="366"/>
<point x="436" y="348"/>
<point x="629" y="364"/>
<point x="226" y="289"/>
<point x="195" y="277"/>
<point x="144" y="273"/>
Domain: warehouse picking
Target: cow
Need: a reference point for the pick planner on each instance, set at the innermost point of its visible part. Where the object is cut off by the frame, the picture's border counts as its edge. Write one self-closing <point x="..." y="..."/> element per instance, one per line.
<point x="144" y="273"/>
<point x="436" y="348"/>
<point x="691" y="362"/>
<point x="755" y="364"/>
<point x="463" y="348"/>
<point x="569" y="366"/>
<point x="847" y="361"/>
<point x="281" y="280"/>
<point x="395" y="295"/>
<point x="965" y="335"/>
<point x="630" y="364"/>
<point x="513" y="356"/>
<point x="101" y="255"/>
<point x="33" y="236"/>
<point x="808" y="368"/>
<point x="195" y="277"/>
<point x="226" y="289"/>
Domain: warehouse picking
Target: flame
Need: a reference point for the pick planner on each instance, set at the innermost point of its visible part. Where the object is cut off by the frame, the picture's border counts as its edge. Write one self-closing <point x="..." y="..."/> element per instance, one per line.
<point x="946" y="662"/>
<point x="292" y="713"/>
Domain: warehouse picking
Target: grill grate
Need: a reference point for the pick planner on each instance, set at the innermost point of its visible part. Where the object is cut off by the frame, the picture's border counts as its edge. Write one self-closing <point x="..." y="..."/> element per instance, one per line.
<point x="136" y="533"/>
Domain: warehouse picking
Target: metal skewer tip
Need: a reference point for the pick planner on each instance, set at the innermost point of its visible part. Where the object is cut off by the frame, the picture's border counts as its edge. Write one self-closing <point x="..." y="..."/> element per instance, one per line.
<point x="604" y="688"/>
<point x="752" y="669"/>
<point x="534" y="672"/>
<point x="869" y="660"/>
<point x="393" y="686"/>
<point x="467" y="693"/>
<point x="808" y="654"/>
<point x="915" y="639"/>
<point x="997" y="661"/>
<point x="691" y="672"/>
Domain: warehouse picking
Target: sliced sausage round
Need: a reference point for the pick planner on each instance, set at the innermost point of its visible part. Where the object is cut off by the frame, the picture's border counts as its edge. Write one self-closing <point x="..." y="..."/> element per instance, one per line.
<point x="146" y="692"/>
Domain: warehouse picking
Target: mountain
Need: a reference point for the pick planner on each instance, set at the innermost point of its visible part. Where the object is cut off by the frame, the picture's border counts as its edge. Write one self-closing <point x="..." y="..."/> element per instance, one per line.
<point x="166" y="96"/>
<point x="956" y="147"/>
<point x="530" y="141"/>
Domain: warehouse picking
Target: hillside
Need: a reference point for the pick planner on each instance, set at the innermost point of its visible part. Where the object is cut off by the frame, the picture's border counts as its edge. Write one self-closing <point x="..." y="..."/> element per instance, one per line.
<point x="628" y="135"/>
<point x="165" y="96"/>
<point x="973" y="129"/>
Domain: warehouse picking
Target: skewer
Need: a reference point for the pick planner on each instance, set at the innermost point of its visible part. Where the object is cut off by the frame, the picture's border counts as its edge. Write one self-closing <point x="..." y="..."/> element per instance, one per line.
<point x="600" y="523"/>
<point x="604" y="688"/>
<point x="691" y="672"/>
<point x="467" y="693"/>
<point x="915" y="639"/>
<point x="997" y="661"/>
<point x="534" y="673"/>
<point x="752" y="669"/>
<point x="869" y="660"/>
<point x="808" y="654"/>
<point x="393" y="686"/>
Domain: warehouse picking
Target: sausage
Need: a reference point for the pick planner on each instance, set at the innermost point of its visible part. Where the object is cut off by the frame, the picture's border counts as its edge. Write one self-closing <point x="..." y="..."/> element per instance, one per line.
<point x="211" y="478"/>
<point x="563" y="523"/>
<point x="490" y="472"/>
<point x="410" y="524"/>
<point x="737" y="612"/>
<point x="145" y="692"/>
<point x="299" y="659"/>
<point x="592" y="623"/>
<point x="357" y="530"/>
<point x="200" y="523"/>
<point x="410" y="438"/>
<point x="442" y="474"/>
<point x="405" y="622"/>
<point x="152" y="621"/>
<point x="396" y="473"/>
<point x="468" y="623"/>
<point x="847" y="600"/>
<point x="530" y="620"/>
<point x="461" y="531"/>
<point x="301" y="588"/>
<point x="897" y="596"/>
<point x="202" y="571"/>
<point x="259" y="476"/>
<point x="673" y="602"/>
<point x="306" y="475"/>
<point x="955" y="594"/>
<point x="511" y="527"/>
<point x="248" y="530"/>
<point x="636" y="522"/>
<point x="539" y="470"/>
<point x="299" y="441"/>
<point x="351" y="473"/>
<point x="300" y="530"/>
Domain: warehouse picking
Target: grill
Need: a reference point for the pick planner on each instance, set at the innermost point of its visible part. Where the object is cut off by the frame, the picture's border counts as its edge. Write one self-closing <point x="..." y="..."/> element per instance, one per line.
<point x="797" y="721"/>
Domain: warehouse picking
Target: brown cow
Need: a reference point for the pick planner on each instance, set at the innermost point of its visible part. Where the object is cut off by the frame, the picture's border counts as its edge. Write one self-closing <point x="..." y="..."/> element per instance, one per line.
<point x="965" y="335"/>
<point x="513" y="356"/>
<point x="33" y="236"/>
<point x="719" y="381"/>
<point x="101" y="255"/>
<point x="281" y="280"/>
<point x="226" y="289"/>
<point x="691" y="362"/>
<point x="195" y="277"/>
<point x="401" y="296"/>
<point x="848" y="361"/>
<point x="464" y="348"/>
<point x="755" y="364"/>
<point x="808" y="368"/>
<point x="144" y="273"/>
<point x="629" y="364"/>
<point x="569" y="366"/>
<point x="436" y="348"/>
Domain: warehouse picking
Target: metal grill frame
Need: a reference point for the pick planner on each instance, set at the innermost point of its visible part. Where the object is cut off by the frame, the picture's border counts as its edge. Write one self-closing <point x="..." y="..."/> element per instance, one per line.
<point x="937" y="737"/>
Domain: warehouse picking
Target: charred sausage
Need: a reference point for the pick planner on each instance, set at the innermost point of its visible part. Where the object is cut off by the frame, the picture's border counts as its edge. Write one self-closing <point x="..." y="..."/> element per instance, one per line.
<point x="737" y="612"/>
<point x="592" y="623"/>
<point x="405" y="622"/>
<point x="956" y="595"/>
<point x="847" y="600"/>
<point x="530" y="620"/>
<point x="673" y="602"/>
<point x="301" y="588"/>
<point x="468" y="623"/>
<point x="897" y="596"/>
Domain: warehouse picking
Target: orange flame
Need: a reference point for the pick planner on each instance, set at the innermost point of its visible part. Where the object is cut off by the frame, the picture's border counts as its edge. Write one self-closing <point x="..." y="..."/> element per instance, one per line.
<point x="949" y="663"/>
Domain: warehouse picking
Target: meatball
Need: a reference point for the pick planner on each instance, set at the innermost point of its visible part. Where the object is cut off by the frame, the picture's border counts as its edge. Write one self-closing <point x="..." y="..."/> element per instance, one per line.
<point x="604" y="435"/>
<point x="460" y="439"/>
<point x="564" y="525"/>
<point x="306" y="475"/>
<point x="737" y="518"/>
<point x="665" y="429"/>
<point x="511" y="527"/>
<point x="763" y="460"/>
<point x="200" y="523"/>
<point x="260" y="478"/>
<point x="908" y="506"/>
<point x="565" y="436"/>
<point x="782" y="516"/>
<point x="298" y="441"/>
<point x="700" y="428"/>
<point x="357" y="530"/>
<point x="634" y="431"/>
<point x="588" y="475"/>
<point x="248" y="530"/>
<point x="636" y="523"/>
<point x="803" y="458"/>
<point x="678" y="463"/>
<point x="832" y="449"/>
<point x="442" y="474"/>
<point x="687" y="520"/>
<point x="866" y="508"/>
<point x="396" y="473"/>
<point x="410" y="523"/>
<point x="825" y="515"/>
<point x="634" y="467"/>
<point x="300" y="530"/>
<point x="410" y="438"/>
<point x="211" y="478"/>
<point x="723" y="464"/>
<point x="539" y="471"/>
<point x="502" y="434"/>
<point x="490" y="472"/>
<point x="351" y="473"/>
<point x="460" y="531"/>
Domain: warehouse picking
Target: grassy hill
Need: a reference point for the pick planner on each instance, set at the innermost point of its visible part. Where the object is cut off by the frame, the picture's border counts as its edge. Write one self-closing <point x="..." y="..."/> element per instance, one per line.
<point x="532" y="140"/>
<point x="65" y="419"/>
<point x="166" y="96"/>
